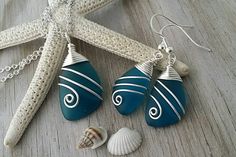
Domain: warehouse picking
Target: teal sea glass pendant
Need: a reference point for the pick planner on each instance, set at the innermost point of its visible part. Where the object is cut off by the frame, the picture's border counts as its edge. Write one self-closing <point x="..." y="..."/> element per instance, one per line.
<point x="80" y="87"/>
<point x="167" y="100"/>
<point x="130" y="89"/>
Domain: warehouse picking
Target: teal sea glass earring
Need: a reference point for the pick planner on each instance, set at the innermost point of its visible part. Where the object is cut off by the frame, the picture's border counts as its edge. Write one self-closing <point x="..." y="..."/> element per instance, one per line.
<point x="130" y="90"/>
<point x="167" y="100"/>
<point x="80" y="87"/>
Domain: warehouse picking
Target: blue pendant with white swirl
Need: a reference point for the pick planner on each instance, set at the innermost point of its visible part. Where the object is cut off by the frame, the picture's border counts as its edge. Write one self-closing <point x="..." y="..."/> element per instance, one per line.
<point x="130" y="89"/>
<point x="167" y="100"/>
<point x="80" y="89"/>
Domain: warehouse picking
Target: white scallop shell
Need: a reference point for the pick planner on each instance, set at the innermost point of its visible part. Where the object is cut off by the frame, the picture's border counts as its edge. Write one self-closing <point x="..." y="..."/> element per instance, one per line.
<point x="124" y="142"/>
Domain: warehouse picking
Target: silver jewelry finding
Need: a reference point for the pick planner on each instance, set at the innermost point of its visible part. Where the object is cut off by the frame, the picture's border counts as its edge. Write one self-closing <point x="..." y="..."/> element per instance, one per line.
<point x="160" y="33"/>
<point x="14" y="69"/>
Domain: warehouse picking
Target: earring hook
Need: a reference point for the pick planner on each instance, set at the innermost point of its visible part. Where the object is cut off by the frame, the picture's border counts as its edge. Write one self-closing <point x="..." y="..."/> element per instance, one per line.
<point x="160" y="33"/>
<point x="187" y="35"/>
<point x="154" y="30"/>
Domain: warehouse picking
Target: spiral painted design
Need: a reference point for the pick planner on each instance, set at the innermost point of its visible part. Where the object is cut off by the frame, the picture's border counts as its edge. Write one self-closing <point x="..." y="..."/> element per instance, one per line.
<point x="117" y="99"/>
<point x="155" y="113"/>
<point x="69" y="98"/>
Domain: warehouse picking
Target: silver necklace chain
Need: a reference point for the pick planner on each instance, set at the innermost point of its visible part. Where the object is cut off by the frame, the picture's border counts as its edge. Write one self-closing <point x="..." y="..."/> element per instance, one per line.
<point x="14" y="69"/>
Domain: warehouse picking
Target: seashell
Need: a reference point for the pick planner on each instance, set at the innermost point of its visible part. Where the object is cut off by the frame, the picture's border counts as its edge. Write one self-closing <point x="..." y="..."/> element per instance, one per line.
<point x="80" y="89"/>
<point x="167" y="101"/>
<point x="93" y="137"/>
<point x="130" y="89"/>
<point x="124" y="142"/>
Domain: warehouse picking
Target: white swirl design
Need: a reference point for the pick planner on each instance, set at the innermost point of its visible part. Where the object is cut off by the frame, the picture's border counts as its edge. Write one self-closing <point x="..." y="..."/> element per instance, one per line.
<point x="173" y="95"/>
<point x="82" y="75"/>
<point x="134" y="77"/>
<point x="130" y="84"/>
<point x="69" y="98"/>
<point x="168" y="102"/>
<point x="153" y="111"/>
<point x="82" y="86"/>
<point x="117" y="100"/>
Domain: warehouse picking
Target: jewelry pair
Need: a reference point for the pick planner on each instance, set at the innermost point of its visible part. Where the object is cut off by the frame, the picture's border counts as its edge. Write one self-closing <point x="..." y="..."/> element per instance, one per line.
<point x="166" y="102"/>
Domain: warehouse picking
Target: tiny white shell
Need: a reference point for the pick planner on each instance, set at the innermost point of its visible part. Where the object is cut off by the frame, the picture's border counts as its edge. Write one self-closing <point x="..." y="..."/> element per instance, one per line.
<point x="124" y="142"/>
<point x="93" y="137"/>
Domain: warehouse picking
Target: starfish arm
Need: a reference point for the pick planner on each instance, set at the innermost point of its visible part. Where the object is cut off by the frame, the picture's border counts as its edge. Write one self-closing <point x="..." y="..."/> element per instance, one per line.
<point x="20" y="34"/>
<point x="120" y="45"/>
<point x="84" y="7"/>
<point x="50" y="62"/>
<point x="87" y="6"/>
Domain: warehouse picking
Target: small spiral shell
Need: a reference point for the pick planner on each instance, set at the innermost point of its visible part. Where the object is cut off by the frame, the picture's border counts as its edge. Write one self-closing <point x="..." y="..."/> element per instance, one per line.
<point x="93" y="137"/>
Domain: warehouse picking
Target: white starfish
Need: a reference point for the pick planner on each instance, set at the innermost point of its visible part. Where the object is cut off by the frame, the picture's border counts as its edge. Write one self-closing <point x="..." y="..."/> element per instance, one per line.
<point x="52" y="55"/>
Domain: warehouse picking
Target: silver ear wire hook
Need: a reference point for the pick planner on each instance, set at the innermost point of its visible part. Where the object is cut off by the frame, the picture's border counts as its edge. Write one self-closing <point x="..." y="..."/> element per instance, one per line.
<point x="188" y="36"/>
<point x="154" y="30"/>
<point x="160" y="33"/>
